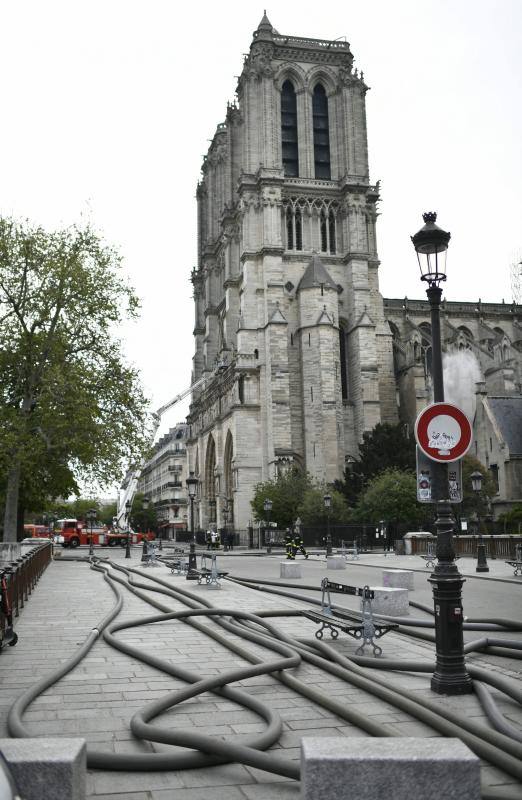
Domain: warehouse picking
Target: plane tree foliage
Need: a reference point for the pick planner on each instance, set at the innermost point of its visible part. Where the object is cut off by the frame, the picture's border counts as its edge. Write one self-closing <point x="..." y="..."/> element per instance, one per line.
<point x="392" y="497"/>
<point x="286" y="493"/>
<point x="385" y="447"/>
<point x="71" y="408"/>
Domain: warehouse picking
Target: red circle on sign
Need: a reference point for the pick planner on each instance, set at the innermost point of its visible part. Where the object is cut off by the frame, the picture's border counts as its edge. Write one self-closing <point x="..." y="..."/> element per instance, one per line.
<point x="443" y="451"/>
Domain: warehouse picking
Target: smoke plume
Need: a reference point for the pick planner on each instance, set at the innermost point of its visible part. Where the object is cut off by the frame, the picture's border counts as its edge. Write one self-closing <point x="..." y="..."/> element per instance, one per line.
<point x="461" y="373"/>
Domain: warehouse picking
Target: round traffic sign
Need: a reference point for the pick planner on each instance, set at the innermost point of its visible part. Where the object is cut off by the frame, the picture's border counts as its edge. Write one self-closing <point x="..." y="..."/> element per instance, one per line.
<point x="443" y="432"/>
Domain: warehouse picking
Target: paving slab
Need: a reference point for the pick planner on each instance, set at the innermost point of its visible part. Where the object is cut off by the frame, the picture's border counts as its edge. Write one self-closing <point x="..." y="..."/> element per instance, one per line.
<point x="98" y="698"/>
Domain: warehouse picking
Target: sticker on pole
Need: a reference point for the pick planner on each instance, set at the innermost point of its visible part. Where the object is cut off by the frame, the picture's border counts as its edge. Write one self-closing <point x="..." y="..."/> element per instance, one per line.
<point x="443" y="432"/>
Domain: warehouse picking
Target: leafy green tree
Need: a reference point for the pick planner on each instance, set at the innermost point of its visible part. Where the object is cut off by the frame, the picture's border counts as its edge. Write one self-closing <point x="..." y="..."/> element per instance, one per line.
<point x="286" y="493"/>
<point x="312" y="510"/>
<point x="67" y="399"/>
<point x="143" y="519"/>
<point x="107" y="512"/>
<point x="385" y="447"/>
<point x="512" y="519"/>
<point x="392" y="497"/>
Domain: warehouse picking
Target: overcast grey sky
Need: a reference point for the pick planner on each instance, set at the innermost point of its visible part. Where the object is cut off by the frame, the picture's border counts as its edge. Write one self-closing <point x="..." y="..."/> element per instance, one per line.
<point x="108" y="106"/>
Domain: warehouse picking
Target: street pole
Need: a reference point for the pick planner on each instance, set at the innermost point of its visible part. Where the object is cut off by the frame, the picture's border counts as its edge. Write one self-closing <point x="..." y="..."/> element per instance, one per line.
<point x="482" y="563"/>
<point x="267" y="506"/>
<point x="192" y="485"/>
<point x="91" y="516"/>
<point x="328" y="505"/>
<point x="450" y="676"/>
<point x="127" y="543"/>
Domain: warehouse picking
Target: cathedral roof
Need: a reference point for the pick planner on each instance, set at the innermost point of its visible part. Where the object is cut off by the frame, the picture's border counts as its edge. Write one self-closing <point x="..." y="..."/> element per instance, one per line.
<point x="316" y="276"/>
<point x="485" y="332"/>
<point x="508" y="414"/>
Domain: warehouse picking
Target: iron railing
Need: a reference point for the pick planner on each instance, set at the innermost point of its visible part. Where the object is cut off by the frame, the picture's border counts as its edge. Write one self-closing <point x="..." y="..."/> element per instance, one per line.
<point x="19" y="577"/>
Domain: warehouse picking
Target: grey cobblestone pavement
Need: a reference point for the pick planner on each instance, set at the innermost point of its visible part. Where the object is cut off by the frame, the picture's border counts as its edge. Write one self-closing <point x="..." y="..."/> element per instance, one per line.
<point x="97" y="699"/>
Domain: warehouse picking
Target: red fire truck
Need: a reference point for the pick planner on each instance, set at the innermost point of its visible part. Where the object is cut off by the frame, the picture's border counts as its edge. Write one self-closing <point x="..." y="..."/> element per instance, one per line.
<point x="37" y="531"/>
<point x="72" y="533"/>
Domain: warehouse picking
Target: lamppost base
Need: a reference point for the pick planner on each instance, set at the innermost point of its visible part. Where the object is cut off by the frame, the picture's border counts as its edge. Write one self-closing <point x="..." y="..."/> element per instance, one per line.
<point x="450" y="676"/>
<point x="451" y="684"/>
<point x="482" y="564"/>
<point x="192" y="573"/>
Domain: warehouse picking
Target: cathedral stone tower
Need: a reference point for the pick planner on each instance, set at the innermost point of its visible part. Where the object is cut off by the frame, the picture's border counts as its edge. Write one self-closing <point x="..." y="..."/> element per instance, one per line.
<point x="290" y="333"/>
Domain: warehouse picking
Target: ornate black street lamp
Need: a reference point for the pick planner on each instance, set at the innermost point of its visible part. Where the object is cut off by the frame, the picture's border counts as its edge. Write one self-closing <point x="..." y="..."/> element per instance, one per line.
<point x="482" y="563"/>
<point x="327" y="499"/>
<point x="90" y="516"/>
<point x="192" y="487"/>
<point x="267" y="506"/>
<point x="450" y="676"/>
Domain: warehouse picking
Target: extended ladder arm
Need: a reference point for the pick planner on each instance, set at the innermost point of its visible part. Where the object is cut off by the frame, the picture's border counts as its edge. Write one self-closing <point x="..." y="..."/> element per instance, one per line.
<point x="128" y="490"/>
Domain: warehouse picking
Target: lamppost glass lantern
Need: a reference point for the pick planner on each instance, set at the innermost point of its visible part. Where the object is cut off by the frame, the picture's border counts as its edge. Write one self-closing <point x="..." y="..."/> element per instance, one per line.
<point x="327" y="501"/>
<point x="476" y="480"/>
<point x="431" y="246"/>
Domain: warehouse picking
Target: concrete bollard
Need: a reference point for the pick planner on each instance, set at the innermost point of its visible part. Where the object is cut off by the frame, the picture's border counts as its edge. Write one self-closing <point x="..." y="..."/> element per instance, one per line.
<point x="335" y="562"/>
<point x="47" y="768"/>
<point x="404" y="769"/>
<point x="290" y="570"/>
<point x="398" y="578"/>
<point x="390" y="601"/>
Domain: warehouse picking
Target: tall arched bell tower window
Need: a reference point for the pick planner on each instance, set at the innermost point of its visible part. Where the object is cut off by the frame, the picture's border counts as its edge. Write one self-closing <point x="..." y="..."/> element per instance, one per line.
<point x="321" y="133"/>
<point x="289" y="130"/>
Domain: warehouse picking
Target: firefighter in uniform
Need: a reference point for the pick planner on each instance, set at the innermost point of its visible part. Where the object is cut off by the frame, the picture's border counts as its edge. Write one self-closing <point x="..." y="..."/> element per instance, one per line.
<point x="289" y="543"/>
<point x="298" y="543"/>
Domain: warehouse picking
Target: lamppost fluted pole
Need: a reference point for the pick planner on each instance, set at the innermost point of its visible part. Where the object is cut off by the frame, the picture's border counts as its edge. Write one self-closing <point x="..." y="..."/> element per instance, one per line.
<point x="192" y="486"/>
<point x="450" y="676"/>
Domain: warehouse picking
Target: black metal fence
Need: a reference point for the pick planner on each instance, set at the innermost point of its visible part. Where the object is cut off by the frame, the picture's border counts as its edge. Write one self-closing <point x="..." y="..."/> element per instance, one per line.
<point x="19" y="577"/>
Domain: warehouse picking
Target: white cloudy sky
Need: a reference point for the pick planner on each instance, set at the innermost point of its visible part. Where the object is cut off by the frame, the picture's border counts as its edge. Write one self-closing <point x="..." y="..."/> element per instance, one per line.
<point x="108" y="106"/>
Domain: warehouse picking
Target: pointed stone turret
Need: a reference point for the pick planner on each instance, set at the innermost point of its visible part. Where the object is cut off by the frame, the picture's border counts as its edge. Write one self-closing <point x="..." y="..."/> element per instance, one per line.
<point x="264" y="30"/>
<point x="315" y="276"/>
<point x="265" y="23"/>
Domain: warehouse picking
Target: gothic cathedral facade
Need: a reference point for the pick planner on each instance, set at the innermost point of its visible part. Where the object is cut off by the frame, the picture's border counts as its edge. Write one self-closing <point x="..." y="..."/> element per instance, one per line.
<point x="290" y="332"/>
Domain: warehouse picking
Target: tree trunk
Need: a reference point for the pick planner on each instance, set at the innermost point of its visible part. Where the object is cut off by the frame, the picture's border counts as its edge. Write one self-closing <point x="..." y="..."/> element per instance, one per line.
<point x="11" y="502"/>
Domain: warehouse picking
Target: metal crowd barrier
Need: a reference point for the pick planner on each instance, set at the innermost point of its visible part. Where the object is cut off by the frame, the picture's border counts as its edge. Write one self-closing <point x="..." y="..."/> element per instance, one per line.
<point x="18" y="577"/>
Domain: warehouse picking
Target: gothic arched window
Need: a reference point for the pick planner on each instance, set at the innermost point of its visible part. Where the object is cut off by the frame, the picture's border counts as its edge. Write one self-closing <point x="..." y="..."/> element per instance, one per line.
<point x="331" y="231"/>
<point x="321" y="133"/>
<point x="289" y="130"/>
<point x="298" y="230"/>
<point x="289" y="230"/>
<point x="323" y="230"/>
